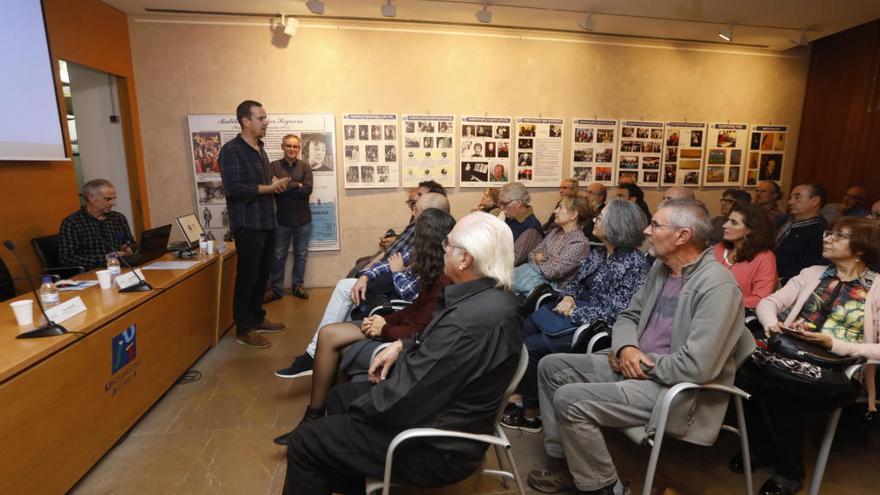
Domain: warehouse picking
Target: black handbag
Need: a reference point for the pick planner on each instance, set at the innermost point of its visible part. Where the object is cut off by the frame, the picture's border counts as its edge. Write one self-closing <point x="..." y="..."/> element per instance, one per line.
<point x="794" y="348"/>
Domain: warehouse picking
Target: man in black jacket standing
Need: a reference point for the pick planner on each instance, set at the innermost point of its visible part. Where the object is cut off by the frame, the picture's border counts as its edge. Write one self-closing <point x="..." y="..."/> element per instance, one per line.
<point x="451" y="375"/>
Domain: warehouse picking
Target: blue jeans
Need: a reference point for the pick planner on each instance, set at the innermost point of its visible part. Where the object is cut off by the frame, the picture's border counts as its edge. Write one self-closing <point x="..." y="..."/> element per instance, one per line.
<point x="300" y="236"/>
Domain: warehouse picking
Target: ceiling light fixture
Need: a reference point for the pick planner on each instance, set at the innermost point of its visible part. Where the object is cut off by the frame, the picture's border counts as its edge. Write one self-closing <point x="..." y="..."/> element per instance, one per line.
<point x="727" y="34"/>
<point x="389" y="9"/>
<point x="316" y="6"/>
<point x="291" y="24"/>
<point x="803" y="39"/>
<point x="588" y="23"/>
<point x="483" y="15"/>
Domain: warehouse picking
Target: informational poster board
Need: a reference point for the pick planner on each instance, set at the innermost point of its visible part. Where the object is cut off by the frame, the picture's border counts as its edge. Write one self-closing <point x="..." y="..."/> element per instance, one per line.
<point x="766" y="153"/>
<point x="428" y="149"/>
<point x="683" y="153"/>
<point x="641" y="146"/>
<point x="725" y="160"/>
<point x="485" y="151"/>
<point x="370" y="149"/>
<point x="208" y="133"/>
<point x="539" y="151"/>
<point x="593" y="149"/>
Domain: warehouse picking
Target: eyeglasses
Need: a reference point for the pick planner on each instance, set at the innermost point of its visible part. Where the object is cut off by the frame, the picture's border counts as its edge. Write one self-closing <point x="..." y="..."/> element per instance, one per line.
<point x="410" y="202"/>
<point x="446" y="245"/>
<point x="504" y="204"/>
<point x="654" y="225"/>
<point x="836" y="235"/>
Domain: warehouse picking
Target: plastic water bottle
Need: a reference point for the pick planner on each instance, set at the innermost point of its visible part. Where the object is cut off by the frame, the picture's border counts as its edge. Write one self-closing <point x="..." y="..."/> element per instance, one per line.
<point x="113" y="265"/>
<point x="49" y="293"/>
<point x="203" y="244"/>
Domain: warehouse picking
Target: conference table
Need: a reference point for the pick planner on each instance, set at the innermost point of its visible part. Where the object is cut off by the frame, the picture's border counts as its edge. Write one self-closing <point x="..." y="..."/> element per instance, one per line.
<point x="66" y="400"/>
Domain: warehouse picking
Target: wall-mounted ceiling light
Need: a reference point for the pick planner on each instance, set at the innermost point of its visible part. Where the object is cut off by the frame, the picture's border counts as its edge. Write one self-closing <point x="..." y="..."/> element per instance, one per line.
<point x="588" y="23"/>
<point x="726" y="34"/>
<point x="389" y="9"/>
<point x="291" y="24"/>
<point x="316" y="6"/>
<point x="483" y="15"/>
<point x="803" y="39"/>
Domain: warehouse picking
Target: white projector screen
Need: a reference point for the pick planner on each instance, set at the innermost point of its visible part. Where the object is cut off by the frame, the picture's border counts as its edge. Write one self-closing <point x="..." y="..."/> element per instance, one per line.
<point x="32" y="129"/>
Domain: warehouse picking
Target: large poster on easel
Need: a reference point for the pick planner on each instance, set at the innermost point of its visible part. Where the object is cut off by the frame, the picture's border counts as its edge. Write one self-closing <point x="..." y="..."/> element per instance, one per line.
<point x="208" y="133"/>
<point x="766" y="153"/>
<point x="593" y="149"/>
<point x="485" y="151"/>
<point x="539" y="151"/>
<point x="641" y="145"/>
<point x="683" y="153"/>
<point x="428" y="149"/>
<point x="370" y="153"/>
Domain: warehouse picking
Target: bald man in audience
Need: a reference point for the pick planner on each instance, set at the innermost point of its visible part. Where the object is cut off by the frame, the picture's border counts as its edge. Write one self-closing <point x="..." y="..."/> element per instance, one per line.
<point x="567" y="188"/>
<point x="678" y="192"/>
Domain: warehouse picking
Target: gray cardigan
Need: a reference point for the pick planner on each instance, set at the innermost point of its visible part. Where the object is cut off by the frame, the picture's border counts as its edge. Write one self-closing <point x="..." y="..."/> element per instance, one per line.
<point x="708" y="343"/>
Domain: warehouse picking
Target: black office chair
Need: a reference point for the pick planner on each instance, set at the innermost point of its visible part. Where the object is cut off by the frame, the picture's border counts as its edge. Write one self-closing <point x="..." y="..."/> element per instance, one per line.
<point x="7" y="287"/>
<point x="47" y="250"/>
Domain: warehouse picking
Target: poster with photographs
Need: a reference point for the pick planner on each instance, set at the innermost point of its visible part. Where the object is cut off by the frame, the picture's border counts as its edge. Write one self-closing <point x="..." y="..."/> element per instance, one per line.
<point x="317" y="145"/>
<point x="428" y="149"/>
<point x="725" y="161"/>
<point x="538" y="151"/>
<point x="766" y="153"/>
<point x="485" y="151"/>
<point x="683" y="153"/>
<point x="641" y="147"/>
<point x="370" y="149"/>
<point x="592" y="150"/>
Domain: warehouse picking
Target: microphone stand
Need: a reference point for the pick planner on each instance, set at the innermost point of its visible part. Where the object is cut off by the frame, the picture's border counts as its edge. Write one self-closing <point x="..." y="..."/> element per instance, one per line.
<point x="50" y="329"/>
<point x="141" y="286"/>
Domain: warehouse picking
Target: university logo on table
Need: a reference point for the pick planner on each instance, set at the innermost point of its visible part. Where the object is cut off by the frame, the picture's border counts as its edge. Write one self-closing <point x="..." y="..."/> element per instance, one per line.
<point x="124" y="348"/>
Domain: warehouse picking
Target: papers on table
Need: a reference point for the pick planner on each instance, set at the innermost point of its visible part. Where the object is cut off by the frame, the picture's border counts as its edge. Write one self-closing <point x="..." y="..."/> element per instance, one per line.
<point x="72" y="285"/>
<point x="170" y="265"/>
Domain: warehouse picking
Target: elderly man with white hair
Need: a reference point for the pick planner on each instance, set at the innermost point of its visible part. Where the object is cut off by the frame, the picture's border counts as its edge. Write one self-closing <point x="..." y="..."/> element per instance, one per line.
<point x="451" y="375"/>
<point x="684" y="325"/>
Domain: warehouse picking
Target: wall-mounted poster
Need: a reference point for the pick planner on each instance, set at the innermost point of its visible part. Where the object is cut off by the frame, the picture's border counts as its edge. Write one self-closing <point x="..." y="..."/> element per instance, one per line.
<point x="317" y="138"/>
<point x="485" y="151"/>
<point x="641" y="147"/>
<point x="370" y="150"/>
<point x="428" y="150"/>
<point x="725" y="161"/>
<point x="593" y="148"/>
<point x="683" y="153"/>
<point x="538" y="151"/>
<point x="766" y="153"/>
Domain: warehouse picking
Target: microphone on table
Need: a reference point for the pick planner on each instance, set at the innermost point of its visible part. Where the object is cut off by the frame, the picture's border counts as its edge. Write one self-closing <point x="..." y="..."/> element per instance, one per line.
<point x="50" y="329"/>
<point x="142" y="285"/>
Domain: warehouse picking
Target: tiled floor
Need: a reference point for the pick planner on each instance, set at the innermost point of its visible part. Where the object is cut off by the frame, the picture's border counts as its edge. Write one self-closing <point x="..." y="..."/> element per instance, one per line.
<point x="213" y="436"/>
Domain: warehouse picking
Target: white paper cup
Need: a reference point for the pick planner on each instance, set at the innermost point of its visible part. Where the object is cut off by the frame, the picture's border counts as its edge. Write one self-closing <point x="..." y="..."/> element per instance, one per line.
<point x="104" y="278"/>
<point x="210" y="247"/>
<point x="24" y="311"/>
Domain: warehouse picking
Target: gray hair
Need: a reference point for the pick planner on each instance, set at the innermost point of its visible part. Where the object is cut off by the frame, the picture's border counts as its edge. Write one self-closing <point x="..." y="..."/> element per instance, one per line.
<point x="490" y="243"/>
<point x="433" y="200"/>
<point x="516" y="191"/>
<point x="624" y="224"/>
<point x="93" y="187"/>
<point x="690" y="214"/>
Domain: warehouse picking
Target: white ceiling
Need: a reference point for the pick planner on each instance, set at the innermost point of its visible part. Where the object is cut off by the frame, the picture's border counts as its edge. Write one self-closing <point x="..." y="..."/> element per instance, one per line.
<point x="769" y="24"/>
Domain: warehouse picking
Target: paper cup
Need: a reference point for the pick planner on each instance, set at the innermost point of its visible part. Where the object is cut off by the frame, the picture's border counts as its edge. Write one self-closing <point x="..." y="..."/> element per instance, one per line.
<point x="104" y="278"/>
<point x="24" y="311"/>
<point x="210" y="247"/>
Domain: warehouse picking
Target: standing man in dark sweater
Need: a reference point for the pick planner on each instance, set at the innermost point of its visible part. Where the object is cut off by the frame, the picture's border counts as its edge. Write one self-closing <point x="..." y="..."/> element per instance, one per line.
<point x="294" y="219"/>
<point x="799" y="239"/>
<point x="250" y="189"/>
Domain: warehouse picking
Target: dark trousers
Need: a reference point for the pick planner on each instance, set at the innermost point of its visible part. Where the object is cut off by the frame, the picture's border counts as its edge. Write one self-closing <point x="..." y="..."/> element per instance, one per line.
<point x="539" y="345"/>
<point x="255" y="250"/>
<point x="337" y="452"/>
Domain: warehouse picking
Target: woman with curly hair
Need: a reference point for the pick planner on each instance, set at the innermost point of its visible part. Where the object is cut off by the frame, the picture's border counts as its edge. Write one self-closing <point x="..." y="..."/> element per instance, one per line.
<point x="427" y="262"/>
<point x="746" y="249"/>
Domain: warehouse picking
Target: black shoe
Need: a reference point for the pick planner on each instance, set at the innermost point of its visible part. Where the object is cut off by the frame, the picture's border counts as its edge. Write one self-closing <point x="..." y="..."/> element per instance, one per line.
<point x="299" y="292"/>
<point x="301" y="366"/>
<point x="772" y="487"/>
<point x="281" y="439"/>
<point x="311" y="414"/>
<point x="736" y="463"/>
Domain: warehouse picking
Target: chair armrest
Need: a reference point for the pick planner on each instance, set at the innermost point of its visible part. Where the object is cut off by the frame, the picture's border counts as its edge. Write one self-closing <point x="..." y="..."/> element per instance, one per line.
<point x="594" y="340"/>
<point x="851" y="371"/>
<point x="678" y="388"/>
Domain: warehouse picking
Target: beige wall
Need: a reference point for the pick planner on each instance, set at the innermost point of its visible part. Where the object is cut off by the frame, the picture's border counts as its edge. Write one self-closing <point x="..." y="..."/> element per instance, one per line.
<point x="204" y="68"/>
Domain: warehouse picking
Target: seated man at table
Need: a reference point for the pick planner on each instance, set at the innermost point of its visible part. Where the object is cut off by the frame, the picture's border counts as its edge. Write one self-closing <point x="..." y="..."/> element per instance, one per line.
<point x="451" y="375"/>
<point x="88" y="235"/>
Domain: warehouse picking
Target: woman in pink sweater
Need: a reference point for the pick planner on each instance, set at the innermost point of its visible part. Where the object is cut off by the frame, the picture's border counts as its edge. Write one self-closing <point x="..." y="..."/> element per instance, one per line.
<point x="746" y="249"/>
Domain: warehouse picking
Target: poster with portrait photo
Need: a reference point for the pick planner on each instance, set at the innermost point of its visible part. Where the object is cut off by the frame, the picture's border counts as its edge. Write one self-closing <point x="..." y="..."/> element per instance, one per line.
<point x="539" y="150"/>
<point x="378" y="149"/>
<point x="681" y="141"/>
<point x="484" y="152"/>
<point x="726" y="144"/>
<point x="423" y="156"/>
<point x="317" y="135"/>
<point x="642" y="142"/>
<point x="590" y="138"/>
<point x="767" y="153"/>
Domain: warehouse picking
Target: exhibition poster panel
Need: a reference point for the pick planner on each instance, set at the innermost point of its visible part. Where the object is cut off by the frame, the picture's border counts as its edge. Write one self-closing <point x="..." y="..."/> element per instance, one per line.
<point x="725" y="154"/>
<point x="370" y="151"/>
<point x="641" y="144"/>
<point x="539" y="151"/>
<point x="593" y="149"/>
<point x="683" y="153"/>
<point x="766" y="153"/>
<point x="485" y="151"/>
<point x="428" y="149"/>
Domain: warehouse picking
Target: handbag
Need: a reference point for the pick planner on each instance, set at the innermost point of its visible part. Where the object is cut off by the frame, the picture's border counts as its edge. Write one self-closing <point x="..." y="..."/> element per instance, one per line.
<point x="795" y="348"/>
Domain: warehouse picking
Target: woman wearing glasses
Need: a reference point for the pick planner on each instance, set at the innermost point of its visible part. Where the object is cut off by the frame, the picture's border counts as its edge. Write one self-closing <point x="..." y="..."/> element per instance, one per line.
<point x="836" y="307"/>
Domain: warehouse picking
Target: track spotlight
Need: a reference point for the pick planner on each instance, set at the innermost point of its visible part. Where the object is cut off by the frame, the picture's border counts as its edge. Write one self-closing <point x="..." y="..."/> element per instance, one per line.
<point x="483" y="15"/>
<point x="588" y="23"/>
<point x="316" y="6"/>
<point x="726" y="34"/>
<point x="803" y="39"/>
<point x="291" y="24"/>
<point x="389" y="9"/>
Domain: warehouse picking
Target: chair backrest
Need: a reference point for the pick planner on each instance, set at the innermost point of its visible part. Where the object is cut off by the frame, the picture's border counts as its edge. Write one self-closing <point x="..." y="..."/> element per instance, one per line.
<point x="7" y="287"/>
<point x="47" y="250"/>
<point x="517" y="377"/>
